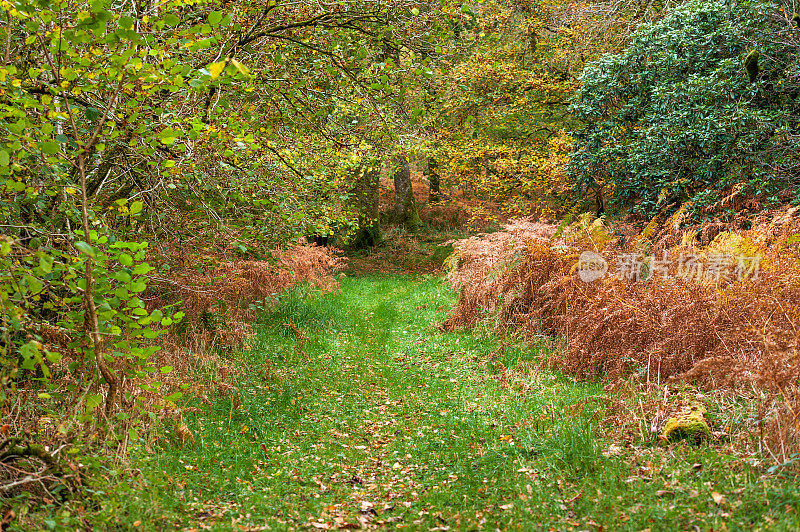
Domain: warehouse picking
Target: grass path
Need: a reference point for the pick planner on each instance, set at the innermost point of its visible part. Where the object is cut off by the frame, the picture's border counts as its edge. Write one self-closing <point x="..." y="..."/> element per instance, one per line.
<point x="367" y="416"/>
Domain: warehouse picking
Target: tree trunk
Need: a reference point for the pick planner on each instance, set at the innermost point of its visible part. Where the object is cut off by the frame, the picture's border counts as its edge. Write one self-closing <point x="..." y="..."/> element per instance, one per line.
<point x="405" y="206"/>
<point x="367" y="181"/>
<point x="433" y="180"/>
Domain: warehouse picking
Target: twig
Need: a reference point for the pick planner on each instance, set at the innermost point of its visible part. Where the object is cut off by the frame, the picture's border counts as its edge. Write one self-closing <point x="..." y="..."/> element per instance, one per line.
<point x="25" y="480"/>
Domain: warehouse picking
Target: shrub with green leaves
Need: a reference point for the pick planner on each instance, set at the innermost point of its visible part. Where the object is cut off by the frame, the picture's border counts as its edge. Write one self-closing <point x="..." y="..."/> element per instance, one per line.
<point x="42" y="297"/>
<point x="675" y="117"/>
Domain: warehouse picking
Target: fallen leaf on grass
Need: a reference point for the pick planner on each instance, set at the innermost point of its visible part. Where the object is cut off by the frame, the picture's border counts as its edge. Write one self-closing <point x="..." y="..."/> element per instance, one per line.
<point x="185" y="435"/>
<point x="613" y="450"/>
<point x="341" y="524"/>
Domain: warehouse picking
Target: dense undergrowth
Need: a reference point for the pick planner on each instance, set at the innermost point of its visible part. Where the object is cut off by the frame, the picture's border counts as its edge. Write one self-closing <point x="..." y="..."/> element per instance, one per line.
<point x="705" y="304"/>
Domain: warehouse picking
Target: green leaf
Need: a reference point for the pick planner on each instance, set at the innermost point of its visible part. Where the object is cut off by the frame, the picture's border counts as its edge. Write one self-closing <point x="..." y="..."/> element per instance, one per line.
<point x="168" y="135"/>
<point x="136" y="207"/>
<point x="137" y="286"/>
<point x="174" y="397"/>
<point x="125" y="259"/>
<point x="30" y="355"/>
<point x="126" y="22"/>
<point x="215" y="17"/>
<point x="86" y="249"/>
<point x="46" y="264"/>
<point x="142" y="269"/>
<point x="34" y="284"/>
<point x="93" y="401"/>
<point x="171" y="20"/>
<point x="50" y="147"/>
<point x="4" y="158"/>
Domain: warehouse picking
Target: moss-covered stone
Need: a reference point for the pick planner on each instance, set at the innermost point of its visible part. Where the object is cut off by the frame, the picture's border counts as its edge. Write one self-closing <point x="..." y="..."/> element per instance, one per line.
<point x="688" y="425"/>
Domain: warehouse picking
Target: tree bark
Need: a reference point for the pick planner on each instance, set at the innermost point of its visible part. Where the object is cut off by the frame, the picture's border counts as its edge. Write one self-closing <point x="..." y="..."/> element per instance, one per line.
<point x="367" y="181"/>
<point x="433" y="180"/>
<point x="405" y="205"/>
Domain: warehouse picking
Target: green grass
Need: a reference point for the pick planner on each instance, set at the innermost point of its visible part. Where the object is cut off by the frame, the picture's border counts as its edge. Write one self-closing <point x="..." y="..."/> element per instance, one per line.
<point x="379" y="419"/>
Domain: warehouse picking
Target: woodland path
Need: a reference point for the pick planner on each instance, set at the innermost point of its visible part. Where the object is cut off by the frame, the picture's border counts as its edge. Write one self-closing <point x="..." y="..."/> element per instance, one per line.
<point x="354" y="411"/>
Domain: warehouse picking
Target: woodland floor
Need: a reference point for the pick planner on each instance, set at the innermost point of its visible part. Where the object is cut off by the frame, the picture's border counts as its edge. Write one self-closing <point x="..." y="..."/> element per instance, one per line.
<point x="367" y="416"/>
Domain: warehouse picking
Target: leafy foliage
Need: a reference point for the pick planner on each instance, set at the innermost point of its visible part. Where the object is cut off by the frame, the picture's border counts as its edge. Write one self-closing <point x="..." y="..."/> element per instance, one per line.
<point x="498" y="116"/>
<point x="145" y="150"/>
<point x="675" y="117"/>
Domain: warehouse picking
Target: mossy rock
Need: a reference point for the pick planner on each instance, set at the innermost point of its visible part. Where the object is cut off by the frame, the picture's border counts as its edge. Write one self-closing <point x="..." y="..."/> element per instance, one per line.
<point x="689" y="425"/>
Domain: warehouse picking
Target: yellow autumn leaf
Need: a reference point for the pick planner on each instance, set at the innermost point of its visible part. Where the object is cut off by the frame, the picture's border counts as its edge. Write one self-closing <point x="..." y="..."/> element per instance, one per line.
<point x="216" y="69"/>
<point x="240" y="67"/>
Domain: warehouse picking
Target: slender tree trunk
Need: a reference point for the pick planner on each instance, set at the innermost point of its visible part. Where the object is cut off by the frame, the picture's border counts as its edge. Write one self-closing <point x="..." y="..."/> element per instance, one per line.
<point x="402" y="185"/>
<point x="433" y="180"/>
<point x="98" y="344"/>
<point x="367" y="181"/>
<point x="405" y="205"/>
